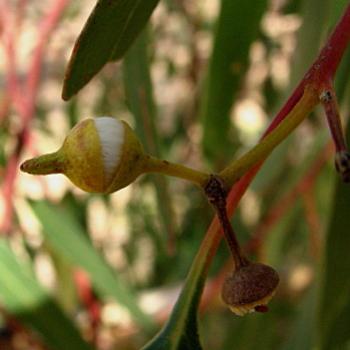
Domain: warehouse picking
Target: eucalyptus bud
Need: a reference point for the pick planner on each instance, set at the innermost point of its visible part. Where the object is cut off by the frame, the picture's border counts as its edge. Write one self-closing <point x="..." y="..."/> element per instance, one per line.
<point x="250" y="288"/>
<point x="104" y="155"/>
<point x="98" y="155"/>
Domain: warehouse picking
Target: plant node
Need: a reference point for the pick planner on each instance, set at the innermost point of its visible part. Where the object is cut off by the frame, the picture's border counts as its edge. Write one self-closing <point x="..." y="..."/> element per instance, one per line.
<point x="342" y="156"/>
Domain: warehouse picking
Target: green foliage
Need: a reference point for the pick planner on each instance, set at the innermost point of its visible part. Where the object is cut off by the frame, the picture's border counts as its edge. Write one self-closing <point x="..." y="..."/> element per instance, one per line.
<point x="139" y="95"/>
<point x="165" y="59"/>
<point x="335" y="289"/>
<point x="236" y="28"/>
<point x="66" y="237"/>
<point x="108" y="33"/>
<point x="181" y="330"/>
<point x="27" y="300"/>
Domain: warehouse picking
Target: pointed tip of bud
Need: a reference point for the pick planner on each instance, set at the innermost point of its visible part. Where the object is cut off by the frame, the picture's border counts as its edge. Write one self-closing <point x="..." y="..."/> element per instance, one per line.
<point x="46" y="164"/>
<point x="250" y="288"/>
<point x="342" y="165"/>
<point x="24" y="166"/>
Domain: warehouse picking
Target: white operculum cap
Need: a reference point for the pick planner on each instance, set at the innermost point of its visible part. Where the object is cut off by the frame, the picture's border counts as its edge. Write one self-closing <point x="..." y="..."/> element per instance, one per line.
<point x="112" y="136"/>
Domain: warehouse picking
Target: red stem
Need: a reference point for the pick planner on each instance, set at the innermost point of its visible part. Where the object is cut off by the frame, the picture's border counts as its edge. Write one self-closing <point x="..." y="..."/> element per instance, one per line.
<point x="24" y="102"/>
<point x="324" y="67"/>
<point x="46" y="28"/>
<point x="89" y="301"/>
<point x="318" y="75"/>
<point x="274" y="215"/>
<point x="335" y="47"/>
<point x="9" y="39"/>
<point x="330" y="105"/>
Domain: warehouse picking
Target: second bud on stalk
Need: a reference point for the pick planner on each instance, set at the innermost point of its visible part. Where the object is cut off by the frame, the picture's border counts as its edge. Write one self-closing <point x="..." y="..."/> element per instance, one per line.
<point x="98" y="155"/>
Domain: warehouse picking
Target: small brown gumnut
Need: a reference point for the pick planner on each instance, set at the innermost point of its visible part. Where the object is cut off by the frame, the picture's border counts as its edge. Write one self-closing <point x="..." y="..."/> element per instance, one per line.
<point x="250" y="288"/>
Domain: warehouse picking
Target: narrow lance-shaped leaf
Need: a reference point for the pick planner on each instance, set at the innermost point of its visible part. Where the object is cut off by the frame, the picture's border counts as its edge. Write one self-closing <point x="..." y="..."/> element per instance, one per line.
<point x="24" y="298"/>
<point x="181" y="330"/>
<point x="110" y="30"/>
<point x="301" y="336"/>
<point x="66" y="237"/>
<point x="334" y="305"/>
<point x="139" y="94"/>
<point x="334" y="316"/>
<point x="237" y="27"/>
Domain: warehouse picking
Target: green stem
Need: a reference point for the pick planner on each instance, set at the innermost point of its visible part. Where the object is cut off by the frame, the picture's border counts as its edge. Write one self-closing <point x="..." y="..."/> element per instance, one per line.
<point x="239" y="167"/>
<point x="155" y="165"/>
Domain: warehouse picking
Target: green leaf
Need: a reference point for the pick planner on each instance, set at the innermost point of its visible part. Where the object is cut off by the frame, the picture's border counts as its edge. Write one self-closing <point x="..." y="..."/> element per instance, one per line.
<point x="237" y="27"/>
<point x="65" y="236"/>
<point x="181" y="330"/>
<point x="316" y="15"/>
<point x="110" y="30"/>
<point x="334" y="307"/>
<point x="336" y="282"/>
<point x="334" y="316"/>
<point x="139" y="94"/>
<point x="302" y="335"/>
<point x="24" y="298"/>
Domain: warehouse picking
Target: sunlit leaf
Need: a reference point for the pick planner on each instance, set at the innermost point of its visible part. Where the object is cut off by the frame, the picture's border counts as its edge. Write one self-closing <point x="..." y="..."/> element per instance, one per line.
<point x="236" y="28"/>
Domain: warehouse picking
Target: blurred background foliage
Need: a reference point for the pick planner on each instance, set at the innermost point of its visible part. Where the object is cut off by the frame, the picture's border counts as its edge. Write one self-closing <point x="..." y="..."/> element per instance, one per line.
<point x="199" y="85"/>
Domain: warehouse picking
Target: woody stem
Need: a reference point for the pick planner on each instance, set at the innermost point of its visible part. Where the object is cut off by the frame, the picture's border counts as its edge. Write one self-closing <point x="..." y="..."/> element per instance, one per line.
<point x="216" y="194"/>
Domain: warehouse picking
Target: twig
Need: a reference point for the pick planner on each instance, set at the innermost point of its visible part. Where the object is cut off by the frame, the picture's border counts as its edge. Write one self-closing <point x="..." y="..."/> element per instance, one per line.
<point x="322" y="70"/>
<point x="216" y="194"/>
<point x="272" y="218"/>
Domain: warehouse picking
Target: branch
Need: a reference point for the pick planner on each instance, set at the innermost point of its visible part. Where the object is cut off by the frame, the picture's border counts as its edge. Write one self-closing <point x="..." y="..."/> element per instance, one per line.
<point x="320" y="72"/>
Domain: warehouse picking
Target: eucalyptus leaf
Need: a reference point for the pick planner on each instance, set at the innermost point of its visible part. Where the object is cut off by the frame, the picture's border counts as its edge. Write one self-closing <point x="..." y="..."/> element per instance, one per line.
<point x="334" y="316"/>
<point x="24" y="298"/>
<point x="65" y="236"/>
<point x="108" y="33"/>
<point x="139" y="94"/>
<point x="236" y="28"/>
<point x="181" y="330"/>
